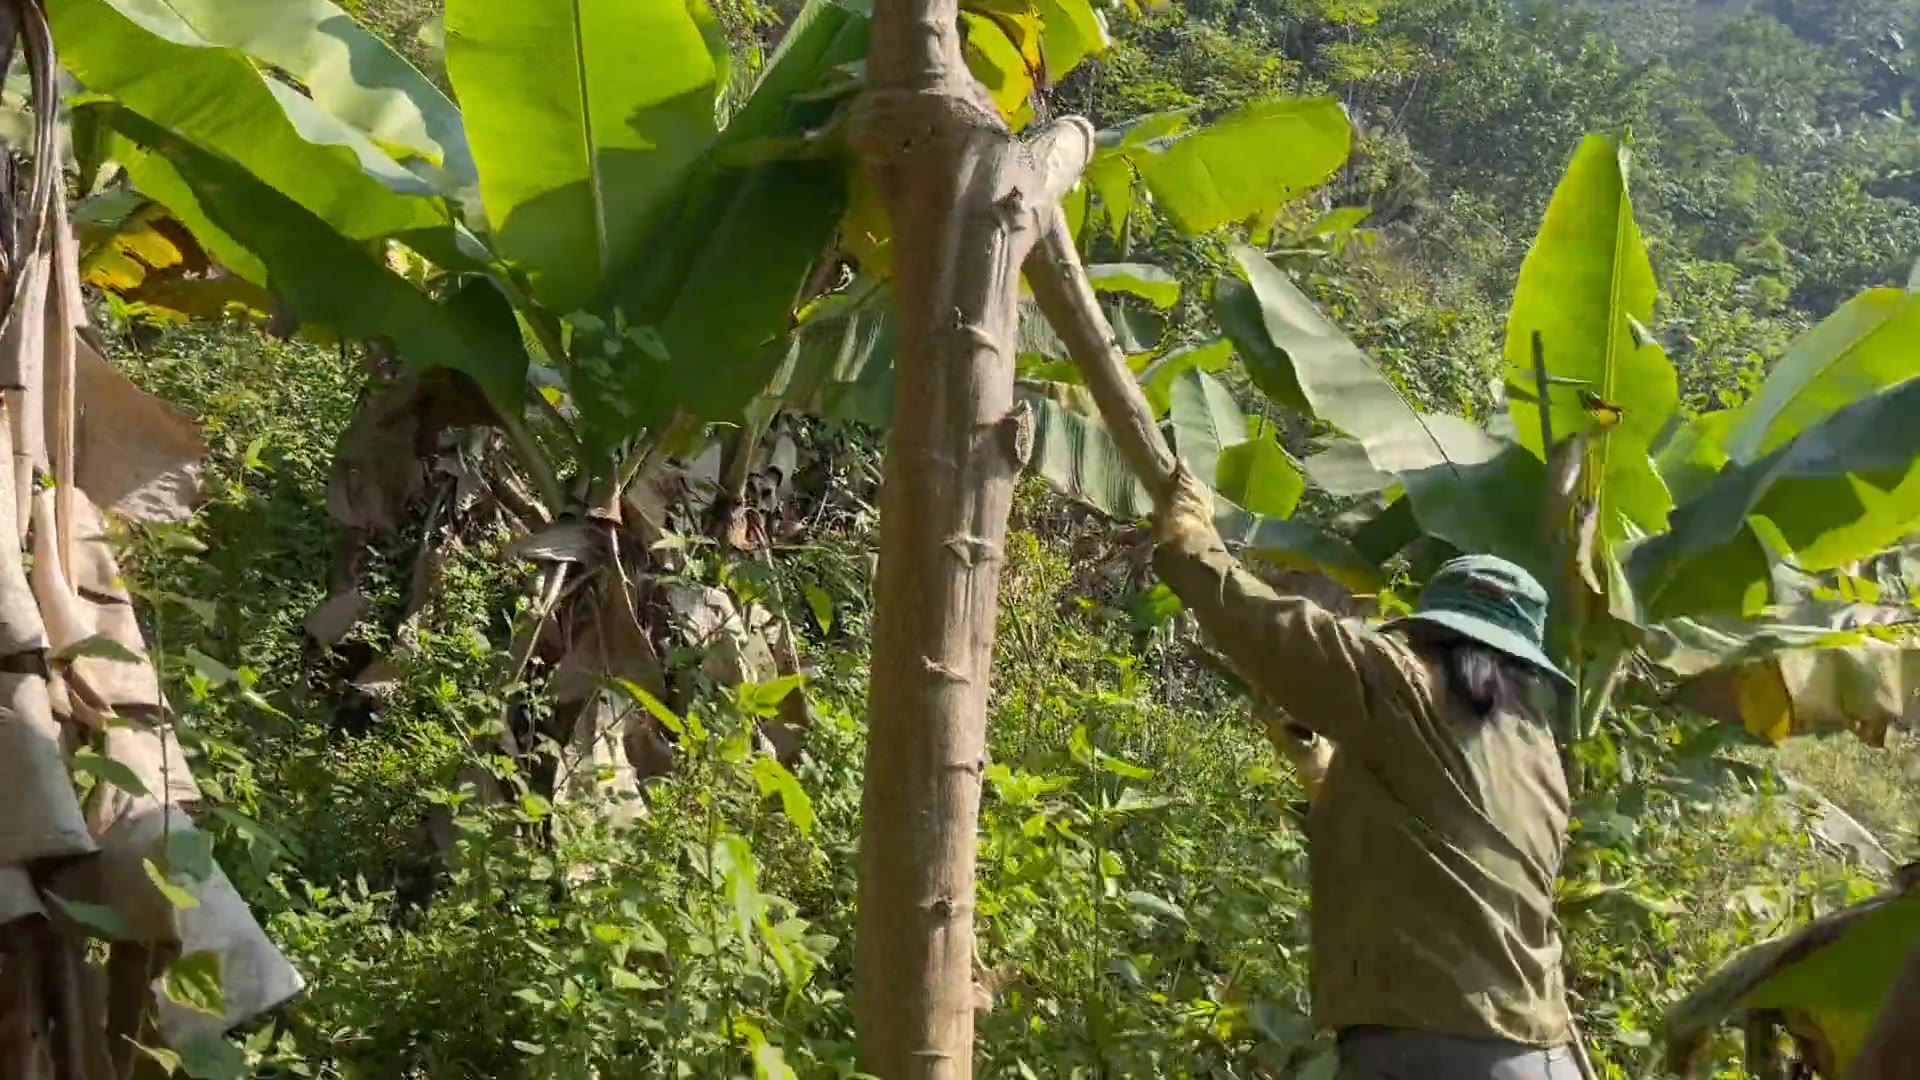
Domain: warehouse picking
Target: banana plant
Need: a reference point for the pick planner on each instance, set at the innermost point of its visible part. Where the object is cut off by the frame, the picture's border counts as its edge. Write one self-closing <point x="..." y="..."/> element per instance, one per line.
<point x="1686" y="543"/>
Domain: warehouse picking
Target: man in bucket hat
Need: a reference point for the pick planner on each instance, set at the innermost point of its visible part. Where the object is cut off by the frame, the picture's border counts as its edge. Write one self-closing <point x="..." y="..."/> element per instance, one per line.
<point x="1438" y="831"/>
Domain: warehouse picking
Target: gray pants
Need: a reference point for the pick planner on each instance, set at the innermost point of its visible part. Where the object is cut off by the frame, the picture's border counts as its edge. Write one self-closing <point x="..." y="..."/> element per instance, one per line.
<point x="1377" y="1053"/>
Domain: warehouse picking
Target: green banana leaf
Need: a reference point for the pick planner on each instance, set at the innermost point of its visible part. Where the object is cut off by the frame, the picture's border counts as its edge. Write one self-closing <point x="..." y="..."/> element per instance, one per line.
<point x="1156" y="380"/>
<point x="1869" y="344"/>
<point x="1492" y="507"/>
<point x="151" y="60"/>
<point x="1695" y="454"/>
<point x="332" y="280"/>
<point x="1074" y="31"/>
<point x="1076" y="455"/>
<point x="697" y="329"/>
<point x="1244" y="165"/>
<point x="347" y="71"/>
<point x="1110" y="176"/>
<point x="583" y="118"/>
<point x="1148" y="282"/>
<point x="716" y="285"/>
<point x="1297" y="357"/>
<point x="1585" y="290"/>
<point x="1260" y="475"/>
<point x="838" y="363"/>
<point x="1830" y="979"/>
<point x="1205" y="421"/>
<point x="1825" y="490"/>
<point x="1211" y="434"/>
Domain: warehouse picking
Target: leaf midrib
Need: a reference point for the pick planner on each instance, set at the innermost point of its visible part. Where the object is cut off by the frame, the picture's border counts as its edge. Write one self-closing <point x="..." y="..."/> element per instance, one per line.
<point x="595" y="188"/>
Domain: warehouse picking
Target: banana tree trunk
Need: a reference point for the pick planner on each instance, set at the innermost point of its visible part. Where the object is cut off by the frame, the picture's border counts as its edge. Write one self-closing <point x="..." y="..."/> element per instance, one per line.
<point x="78" y="441"/>
<point x="967" y="201"/>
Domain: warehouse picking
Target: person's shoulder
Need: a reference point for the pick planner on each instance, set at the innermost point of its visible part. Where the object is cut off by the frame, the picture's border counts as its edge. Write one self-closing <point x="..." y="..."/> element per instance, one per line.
<point x="1397" y="665"/>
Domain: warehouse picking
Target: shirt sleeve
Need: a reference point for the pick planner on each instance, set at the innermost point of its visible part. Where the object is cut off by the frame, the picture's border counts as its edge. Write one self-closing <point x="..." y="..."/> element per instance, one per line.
<point x="1294" y="652"/>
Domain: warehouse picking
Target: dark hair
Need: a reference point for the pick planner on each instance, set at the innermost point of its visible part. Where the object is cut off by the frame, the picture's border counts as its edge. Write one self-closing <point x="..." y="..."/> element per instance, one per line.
<point x="1489" y="679"/>
<point x="1485" y="678"/>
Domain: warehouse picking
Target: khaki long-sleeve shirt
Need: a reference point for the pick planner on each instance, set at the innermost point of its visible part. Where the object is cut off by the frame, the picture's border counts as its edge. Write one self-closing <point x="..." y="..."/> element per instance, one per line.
<point x="1437" y="835"/>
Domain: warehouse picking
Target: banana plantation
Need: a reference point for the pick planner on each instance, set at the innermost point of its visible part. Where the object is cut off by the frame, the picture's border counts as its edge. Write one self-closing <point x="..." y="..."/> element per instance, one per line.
<point x="615" y="538"/>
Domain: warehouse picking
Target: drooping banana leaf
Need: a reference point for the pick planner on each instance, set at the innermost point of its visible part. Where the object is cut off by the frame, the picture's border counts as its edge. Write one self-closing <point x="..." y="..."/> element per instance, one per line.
<point x="1867" y="345"/>
<point x="152" y="61"/>
<point x="1828" y="489"/>
<point x="1829" y="980"/>
<point x="838" y="363"/>
<point x="1076" y="456"/>
<point x="583" y="118"/>
<point x="1810" y="669"/>
<point x="1300" y="359"/>
<point x="329" y="279"/>
<point x="347" y="71"/>
<point x="1586" y="290"/>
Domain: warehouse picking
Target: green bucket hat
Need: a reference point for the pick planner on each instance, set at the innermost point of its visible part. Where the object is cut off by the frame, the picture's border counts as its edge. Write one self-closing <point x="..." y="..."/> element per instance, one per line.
<point x="1493" y="602"/>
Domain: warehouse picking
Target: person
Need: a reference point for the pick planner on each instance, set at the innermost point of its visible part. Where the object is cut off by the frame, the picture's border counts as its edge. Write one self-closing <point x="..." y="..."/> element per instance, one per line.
<point x="1439" y="828"/>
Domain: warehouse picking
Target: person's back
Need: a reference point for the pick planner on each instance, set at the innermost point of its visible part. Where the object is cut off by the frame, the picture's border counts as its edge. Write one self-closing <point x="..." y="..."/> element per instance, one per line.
<point x="1437" y="838"/>
<point x="1438" y="831"/>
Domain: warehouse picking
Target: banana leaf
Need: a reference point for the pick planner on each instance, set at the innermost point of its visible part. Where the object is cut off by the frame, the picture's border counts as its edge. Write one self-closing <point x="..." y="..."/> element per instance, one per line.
<point x="583" y="118"/>
<point x="1586" y="291"/>
<point x="1828" y="980"/>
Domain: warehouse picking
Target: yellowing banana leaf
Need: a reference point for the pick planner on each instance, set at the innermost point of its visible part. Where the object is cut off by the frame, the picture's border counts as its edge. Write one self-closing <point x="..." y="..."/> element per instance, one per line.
<point x="1000" y="67"/>
<point x="1812" y="668"/>
<point x="583" y="118"/>
<point x="1829" y="980"/>
<point x="1245" y="165"/>
<point x="1585" y="289"/>
<point x="155" y="63"/>
<point x="332" y="280"/>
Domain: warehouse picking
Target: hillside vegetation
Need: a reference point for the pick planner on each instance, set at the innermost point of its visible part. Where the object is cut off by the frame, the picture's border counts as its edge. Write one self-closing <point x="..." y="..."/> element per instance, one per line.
<point x="1142" y="905"/>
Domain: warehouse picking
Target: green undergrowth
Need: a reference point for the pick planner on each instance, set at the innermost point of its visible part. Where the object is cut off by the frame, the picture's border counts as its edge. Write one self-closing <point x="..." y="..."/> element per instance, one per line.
<point x="1143" y="896"/>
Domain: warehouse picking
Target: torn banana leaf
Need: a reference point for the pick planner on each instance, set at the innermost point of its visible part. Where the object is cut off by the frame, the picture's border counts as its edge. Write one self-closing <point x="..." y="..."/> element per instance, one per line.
<point x="1813" y="669"/>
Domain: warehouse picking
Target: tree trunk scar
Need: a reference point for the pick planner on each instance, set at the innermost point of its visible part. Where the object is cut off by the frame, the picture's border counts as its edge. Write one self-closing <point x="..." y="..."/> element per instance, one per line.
<point x="944" y="671"/>
<point x="1016" y="434"/>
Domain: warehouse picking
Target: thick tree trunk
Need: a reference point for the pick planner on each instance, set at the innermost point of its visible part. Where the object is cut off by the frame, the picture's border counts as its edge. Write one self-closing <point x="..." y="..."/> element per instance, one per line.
<point x="966" y="200"/>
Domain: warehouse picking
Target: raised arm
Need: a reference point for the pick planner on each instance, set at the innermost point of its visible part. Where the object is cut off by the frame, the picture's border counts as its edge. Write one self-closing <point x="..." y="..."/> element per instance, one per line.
<point x="1293" y="652"/>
